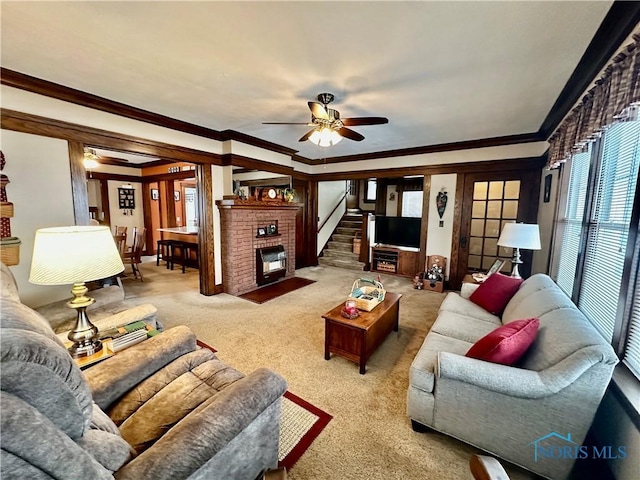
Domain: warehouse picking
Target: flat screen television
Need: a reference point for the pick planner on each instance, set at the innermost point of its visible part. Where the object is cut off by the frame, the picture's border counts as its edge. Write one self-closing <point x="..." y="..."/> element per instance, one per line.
<point x="398" y="231"/>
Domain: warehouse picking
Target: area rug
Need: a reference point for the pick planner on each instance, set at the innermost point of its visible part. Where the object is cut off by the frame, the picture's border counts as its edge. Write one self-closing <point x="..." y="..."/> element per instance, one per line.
<point x="274" y="290"/>
<point x="300" y="424"/>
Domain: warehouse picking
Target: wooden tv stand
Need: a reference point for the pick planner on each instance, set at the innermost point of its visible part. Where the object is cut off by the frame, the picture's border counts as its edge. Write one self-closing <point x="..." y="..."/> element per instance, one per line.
<point x="395" y="260"/>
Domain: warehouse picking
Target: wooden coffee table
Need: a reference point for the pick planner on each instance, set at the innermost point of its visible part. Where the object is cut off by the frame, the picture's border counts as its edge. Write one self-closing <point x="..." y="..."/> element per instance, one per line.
<point x="357" y="339"/>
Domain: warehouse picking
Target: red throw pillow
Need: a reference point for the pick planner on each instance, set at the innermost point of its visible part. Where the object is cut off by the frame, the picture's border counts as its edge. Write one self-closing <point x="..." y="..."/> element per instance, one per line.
<point x="495" y="292"/>
<point x="506" y="344"/>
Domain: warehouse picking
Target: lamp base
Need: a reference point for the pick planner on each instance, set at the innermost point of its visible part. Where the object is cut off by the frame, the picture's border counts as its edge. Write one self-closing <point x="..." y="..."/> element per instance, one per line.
<point x="516" y="262"/>
<point x="84" y="333"/>
<point x="85" y="349"/>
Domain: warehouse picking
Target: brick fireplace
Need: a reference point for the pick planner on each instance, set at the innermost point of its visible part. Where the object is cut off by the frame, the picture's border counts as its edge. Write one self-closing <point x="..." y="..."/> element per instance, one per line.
<point x="246" y="226"/>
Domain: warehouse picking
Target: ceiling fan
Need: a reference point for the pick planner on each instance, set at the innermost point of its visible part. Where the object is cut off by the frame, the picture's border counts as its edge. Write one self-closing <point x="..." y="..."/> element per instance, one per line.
<point x="328" y="127"/>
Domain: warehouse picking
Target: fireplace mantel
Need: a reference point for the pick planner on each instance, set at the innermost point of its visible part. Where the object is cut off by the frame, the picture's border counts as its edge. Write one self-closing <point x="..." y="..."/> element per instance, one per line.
<point x="256" y="204"/>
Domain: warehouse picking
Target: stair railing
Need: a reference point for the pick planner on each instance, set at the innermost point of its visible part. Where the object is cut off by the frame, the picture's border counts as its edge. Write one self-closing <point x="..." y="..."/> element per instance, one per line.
<point x="333" y="211"/>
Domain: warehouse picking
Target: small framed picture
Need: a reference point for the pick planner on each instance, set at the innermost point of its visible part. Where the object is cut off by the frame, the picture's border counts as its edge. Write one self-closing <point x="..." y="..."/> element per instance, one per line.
<point x="154" y="194"/>
<point x="497" y="265"/>
<point x="272" y="229"/>
<point x="261" y="232"/>
<point x="176" y="195"/>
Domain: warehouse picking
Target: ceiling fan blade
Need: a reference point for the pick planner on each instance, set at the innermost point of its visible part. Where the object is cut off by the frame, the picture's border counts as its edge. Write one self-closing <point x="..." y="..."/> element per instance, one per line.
<point x="318" y="110"/>
<point x="306" y="136"/>
<point x="352" y="122"/>
<point x="285" y="123"/>
<point x="350" y="134"/>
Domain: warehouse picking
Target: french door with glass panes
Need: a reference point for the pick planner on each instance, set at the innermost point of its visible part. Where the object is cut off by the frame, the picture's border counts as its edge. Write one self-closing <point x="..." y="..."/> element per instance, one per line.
<point x="491" y="200"/>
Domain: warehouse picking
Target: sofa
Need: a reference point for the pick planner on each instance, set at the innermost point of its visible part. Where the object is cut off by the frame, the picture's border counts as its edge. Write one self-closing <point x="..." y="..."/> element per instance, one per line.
<point x="523" y="412"/>
<point x="162" y="409"/>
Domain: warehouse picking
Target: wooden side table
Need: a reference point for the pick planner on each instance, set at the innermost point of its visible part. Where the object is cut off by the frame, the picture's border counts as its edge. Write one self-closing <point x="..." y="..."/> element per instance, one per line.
<point x="356" y="339"/>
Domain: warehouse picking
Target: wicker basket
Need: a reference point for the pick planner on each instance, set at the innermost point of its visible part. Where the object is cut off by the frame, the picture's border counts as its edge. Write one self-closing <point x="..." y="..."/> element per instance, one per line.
<point x="10" y="254"/>
<point x="6" y="210"/>
<point x="367" y="293"/>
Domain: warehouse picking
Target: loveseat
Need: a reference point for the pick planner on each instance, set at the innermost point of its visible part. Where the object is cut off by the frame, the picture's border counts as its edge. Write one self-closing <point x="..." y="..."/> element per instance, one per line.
<point x="162" y="409"/>
<point x="521" y="412"/>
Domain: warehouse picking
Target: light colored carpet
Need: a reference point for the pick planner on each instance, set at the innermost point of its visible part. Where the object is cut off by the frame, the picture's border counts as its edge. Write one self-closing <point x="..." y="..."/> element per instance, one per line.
<point x="370" y="436"/>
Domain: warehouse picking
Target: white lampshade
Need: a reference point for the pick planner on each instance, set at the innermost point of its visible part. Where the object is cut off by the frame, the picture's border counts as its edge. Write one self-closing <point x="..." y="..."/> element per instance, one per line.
<point x="325" y="137"/>
<point x="520" y="235"/>
<point x="68" y="255"/>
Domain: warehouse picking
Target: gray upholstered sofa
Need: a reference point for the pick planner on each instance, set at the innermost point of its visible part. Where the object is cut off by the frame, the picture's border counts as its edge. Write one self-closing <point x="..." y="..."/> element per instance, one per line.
<point x="507" y="410"/>
<point x="173" y="411"/>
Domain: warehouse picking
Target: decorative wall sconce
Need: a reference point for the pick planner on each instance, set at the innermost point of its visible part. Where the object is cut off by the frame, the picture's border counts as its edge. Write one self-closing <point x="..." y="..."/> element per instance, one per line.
<point x="441" y="204"/>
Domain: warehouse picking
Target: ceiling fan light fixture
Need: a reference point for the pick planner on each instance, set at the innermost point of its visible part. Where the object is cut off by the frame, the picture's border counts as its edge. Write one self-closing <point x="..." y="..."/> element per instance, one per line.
<point x="325" y="137"/>
<point x="90" y="158"/>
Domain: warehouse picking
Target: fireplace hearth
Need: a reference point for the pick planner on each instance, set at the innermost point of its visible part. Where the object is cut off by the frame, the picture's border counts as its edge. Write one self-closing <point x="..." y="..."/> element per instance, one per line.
<point x="271" y="264"/>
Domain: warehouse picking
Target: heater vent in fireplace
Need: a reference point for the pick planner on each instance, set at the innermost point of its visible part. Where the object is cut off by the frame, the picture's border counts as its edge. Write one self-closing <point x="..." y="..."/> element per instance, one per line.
<point x="271" y="264"/>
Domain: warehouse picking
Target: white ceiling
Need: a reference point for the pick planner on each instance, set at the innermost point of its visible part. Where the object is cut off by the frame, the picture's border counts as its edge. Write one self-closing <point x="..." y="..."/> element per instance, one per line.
<point x="440" y="71"/>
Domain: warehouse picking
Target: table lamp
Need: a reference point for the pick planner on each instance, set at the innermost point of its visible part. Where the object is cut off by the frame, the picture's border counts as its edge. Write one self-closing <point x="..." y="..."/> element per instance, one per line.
<point x="517" y="236"/>
<point x="75" y="255"/>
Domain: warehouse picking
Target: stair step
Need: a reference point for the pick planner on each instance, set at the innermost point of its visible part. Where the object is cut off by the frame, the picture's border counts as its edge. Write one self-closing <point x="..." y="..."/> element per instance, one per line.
<point x="350" y="224"/>
<point x="347" y="231"/>
<point x="342" y="246"/>
<point x="352" y="218"/>
<point x="343" y="254"/>
<point x="340" y="263"/>
<point x="338" y="237"/>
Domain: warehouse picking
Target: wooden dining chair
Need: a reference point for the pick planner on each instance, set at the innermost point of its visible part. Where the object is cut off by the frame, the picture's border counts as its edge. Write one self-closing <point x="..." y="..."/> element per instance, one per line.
<point x="121" y="243"/>
<point x="133" y="256"/>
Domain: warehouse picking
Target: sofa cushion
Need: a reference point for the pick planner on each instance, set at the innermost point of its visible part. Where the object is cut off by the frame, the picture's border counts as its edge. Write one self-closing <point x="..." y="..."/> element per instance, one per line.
<point x="146" y="412"/>
<point x="536" y="303"/>
<point x="462" y="327"/>
<point x="31" y="360"/>
<point x="421" y="373"/>
<point x="496" y="291"/>
<point x="455" y="303"/>
<point x="506" y="344"/>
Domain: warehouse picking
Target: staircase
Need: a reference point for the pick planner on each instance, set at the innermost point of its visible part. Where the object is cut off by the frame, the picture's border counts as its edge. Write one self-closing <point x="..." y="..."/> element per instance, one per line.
<point x="339" y="249"/>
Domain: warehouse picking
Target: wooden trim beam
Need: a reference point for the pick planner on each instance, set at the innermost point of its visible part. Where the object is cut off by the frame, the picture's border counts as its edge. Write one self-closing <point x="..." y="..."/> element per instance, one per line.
<point x="426" y="194"/>
<point x="47" y="127"/>
<point x="442" y="147"/>
<point x="535" y="163"/>
<point x="26" y="82"/>
<point x="79" y="190"/>
<point x="204" y="186"/>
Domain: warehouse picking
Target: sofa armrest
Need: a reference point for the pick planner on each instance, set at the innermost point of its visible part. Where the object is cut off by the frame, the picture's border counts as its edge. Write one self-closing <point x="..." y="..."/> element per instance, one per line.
<point x="110" y="379"/>
<point x="516" y="382"/>
<point x="197" y="438"/>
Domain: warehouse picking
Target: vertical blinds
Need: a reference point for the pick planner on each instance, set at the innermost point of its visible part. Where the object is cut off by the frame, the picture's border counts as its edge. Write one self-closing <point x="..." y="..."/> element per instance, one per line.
<point x="608" y="226"/>
<point x="572" y="221"/>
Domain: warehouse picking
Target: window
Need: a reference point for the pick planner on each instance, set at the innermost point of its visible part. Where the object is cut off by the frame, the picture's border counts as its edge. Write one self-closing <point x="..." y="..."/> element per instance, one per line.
<point x="571" y="224"/>
<point x="412" y="203"/>
<point x="594" y="233"/>
<point x="370" y="188"/>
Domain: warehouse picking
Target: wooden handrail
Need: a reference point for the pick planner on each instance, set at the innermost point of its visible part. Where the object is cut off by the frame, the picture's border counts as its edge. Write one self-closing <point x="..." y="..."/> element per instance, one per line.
<point x="332" y="212"/>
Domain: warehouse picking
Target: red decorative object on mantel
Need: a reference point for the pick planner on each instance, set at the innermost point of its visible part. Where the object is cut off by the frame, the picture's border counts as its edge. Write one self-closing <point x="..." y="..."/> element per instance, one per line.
<point x="9" y="246"/>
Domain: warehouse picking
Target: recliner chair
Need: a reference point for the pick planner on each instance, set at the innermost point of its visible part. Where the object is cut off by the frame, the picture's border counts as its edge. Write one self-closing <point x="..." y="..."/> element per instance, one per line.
<point x="172" y="410"/>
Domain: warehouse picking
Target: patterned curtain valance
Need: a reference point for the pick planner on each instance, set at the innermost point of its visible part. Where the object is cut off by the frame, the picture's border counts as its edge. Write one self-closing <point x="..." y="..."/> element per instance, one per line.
<point x="614" y="98"/>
